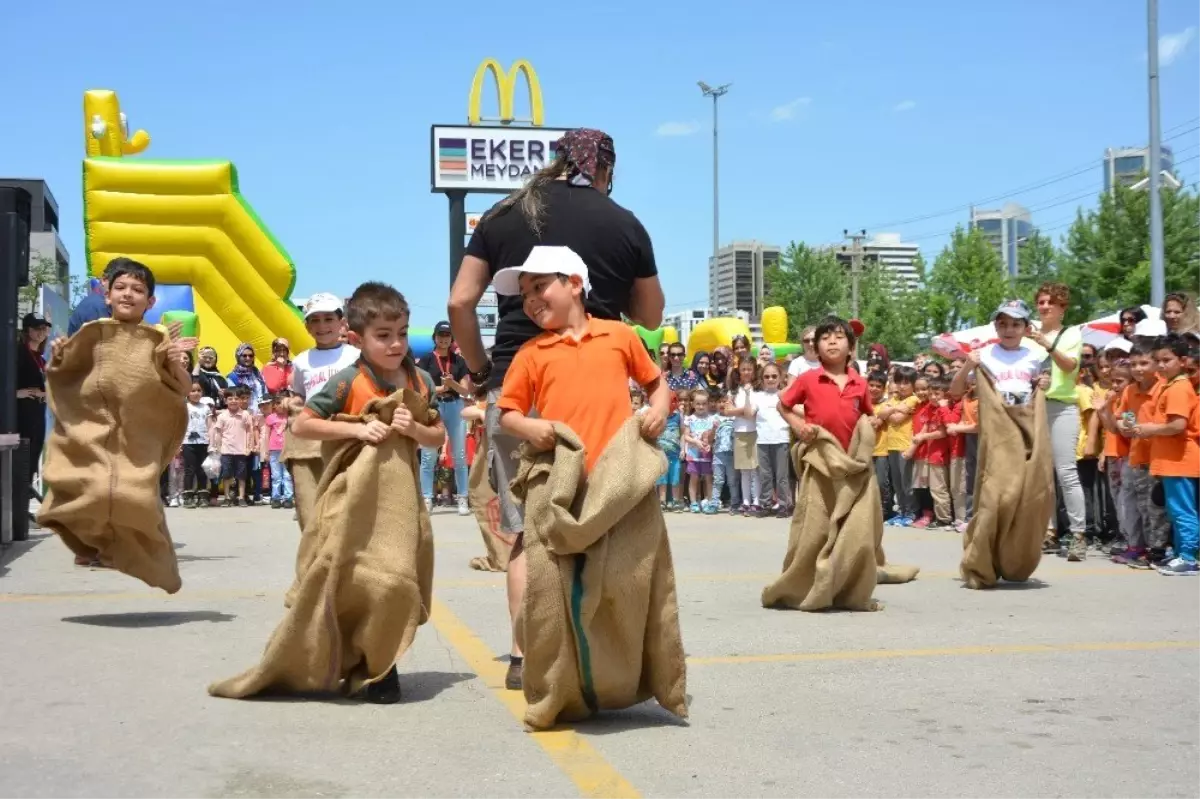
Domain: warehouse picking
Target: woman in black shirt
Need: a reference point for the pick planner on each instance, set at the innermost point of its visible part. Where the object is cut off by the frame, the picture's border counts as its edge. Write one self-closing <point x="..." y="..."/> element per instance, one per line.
<point x="449" y="372"/>
<point x="31" y="386"/>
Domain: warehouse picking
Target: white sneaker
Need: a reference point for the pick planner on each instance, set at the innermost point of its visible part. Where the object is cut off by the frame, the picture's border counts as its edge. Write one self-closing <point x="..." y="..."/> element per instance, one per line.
<point x="174" y="502"/>
<point x="463" y="508"/>
<point x="429" y="504"/>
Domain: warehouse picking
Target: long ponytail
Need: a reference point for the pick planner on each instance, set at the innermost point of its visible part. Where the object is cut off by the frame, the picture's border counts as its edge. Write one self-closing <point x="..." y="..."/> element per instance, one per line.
<point x="530" y="198"/>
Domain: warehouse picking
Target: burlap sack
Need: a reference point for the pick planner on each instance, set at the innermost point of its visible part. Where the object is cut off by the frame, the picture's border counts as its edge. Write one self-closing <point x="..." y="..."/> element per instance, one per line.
<point x="119" y="418"/>
<point x="835" y="553"/>
<point x="304" y="459"/>
<point x="370" y="583"/>
<point x="600" y="622"/>
<point x="481" y="496"/>
<point x="1014" y="490"/>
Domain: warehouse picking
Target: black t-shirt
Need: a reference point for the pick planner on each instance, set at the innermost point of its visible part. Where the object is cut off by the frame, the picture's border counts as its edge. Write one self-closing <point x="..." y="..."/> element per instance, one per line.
<point x="432" y="363"/>
<point x="609" y="239"/>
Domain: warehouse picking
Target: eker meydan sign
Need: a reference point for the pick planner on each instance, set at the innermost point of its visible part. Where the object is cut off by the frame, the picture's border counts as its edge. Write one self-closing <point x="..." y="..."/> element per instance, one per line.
<point x="496" y="158"/>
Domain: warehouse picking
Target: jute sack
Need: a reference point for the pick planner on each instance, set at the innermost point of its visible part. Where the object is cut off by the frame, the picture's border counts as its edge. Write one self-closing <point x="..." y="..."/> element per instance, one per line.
<point x="1014" y="490"/>
<point x="119" y="418"/>
<point x="835" y="551"/>
<point x="600" y="622"/>
<point x="481" y="496"/>
<point x="304" y="459"/>
<point x="370" y="583"/>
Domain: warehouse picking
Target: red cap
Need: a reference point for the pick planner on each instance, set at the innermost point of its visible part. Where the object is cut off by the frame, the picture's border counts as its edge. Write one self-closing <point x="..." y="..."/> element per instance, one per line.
<point x="858" y="327"/>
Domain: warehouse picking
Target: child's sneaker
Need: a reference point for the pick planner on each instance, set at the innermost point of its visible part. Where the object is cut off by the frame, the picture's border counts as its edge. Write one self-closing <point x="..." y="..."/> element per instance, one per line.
<point x="276" y="504"/>
<point x="695" y="508"/>
<point x="904" y="521"/>
<point x="1178" y="567"/>
<point x="464" y="509"/>
<point x="1141" y="562"/>
<point x="1125" y="557"/>
<point x="429" y="504"/>
<point x="288" y="504"/>
<point x="735" y="510"/>
<point x="783" y="512"/>
<point x="960" y="527"/>
<point x="923" y="522"/>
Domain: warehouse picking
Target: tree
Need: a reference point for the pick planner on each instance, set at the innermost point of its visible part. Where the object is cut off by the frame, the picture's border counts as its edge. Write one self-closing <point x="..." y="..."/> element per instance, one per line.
<point x="1106" y="256"/>
<point x="1038" y="264"/>
<point x="809" y="284"/>
<point x="890" y="311"/>
<point x="43" y="271"/>
<point x="967" y="283"/>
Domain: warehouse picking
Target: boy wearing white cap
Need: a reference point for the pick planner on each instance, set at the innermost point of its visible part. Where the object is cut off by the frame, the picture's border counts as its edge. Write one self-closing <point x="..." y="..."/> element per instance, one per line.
<point x="311" y="370"/>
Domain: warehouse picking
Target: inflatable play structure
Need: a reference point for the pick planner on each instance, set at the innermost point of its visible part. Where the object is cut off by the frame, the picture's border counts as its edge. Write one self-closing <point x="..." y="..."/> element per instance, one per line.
<point x="719" y="332"/>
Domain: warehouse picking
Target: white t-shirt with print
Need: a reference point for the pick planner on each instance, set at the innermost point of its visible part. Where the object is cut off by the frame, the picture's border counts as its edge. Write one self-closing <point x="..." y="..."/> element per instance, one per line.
<point x="768" y="421"/>
<point x="197" y="427"/>
<point x="314" y="367"/>
<point x="742" y="424"/>
<point x="1014" y="371"/>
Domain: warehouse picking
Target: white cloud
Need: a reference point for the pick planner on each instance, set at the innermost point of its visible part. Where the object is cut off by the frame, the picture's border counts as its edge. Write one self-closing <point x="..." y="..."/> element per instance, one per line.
<point x="782" y="113"/>
<point x="678" y="128"/>
<point x="1173" y="45"/>
<point x="904" y="105"/>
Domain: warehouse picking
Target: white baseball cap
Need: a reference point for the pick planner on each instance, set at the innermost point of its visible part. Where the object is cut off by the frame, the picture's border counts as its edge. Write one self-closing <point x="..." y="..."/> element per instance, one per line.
<point x="545" y="260"/>
<point x="322" y="303"/>
<point x="1120" y="345"/>
<point x="1151" y="328"/>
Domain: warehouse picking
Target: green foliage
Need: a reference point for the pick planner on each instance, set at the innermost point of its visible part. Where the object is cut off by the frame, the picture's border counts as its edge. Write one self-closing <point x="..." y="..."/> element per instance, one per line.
<point x="890" y="311"/>
<point x="808" y="284"/>
<point x="1037" y="264"/>
<point x="43" y="271"/>
<point x="966" y="284"/>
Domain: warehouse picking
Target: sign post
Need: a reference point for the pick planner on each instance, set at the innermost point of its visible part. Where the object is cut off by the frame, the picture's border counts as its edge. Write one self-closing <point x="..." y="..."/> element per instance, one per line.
<point x="489" y="159"/>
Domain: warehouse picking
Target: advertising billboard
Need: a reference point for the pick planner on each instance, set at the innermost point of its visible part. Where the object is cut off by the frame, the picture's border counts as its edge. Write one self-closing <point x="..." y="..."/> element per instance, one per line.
<point x="494" y="159"/>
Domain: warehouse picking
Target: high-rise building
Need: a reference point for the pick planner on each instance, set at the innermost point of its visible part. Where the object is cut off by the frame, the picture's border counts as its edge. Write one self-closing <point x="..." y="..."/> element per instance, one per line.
<point x="1128" y="165"/>
<point x="737" y="277"/>
<point x="44" y="243"/>
<point x="1007" y="229"/>
<point x="887" y="250"/>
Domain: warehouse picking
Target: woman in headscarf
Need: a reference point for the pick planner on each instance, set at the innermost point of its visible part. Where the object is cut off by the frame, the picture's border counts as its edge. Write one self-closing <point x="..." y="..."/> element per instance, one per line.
<point x="277" y="375"/>
<point x="247" y="374"/>
<point x="1180" y="314"/>
<point x="766" y="355"/>
<point x="211" y="380"/>
<point x="719" y="368"/>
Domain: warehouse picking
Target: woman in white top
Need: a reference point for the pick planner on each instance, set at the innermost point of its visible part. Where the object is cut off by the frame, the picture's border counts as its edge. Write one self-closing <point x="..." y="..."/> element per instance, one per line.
<point x="742" y="385"/>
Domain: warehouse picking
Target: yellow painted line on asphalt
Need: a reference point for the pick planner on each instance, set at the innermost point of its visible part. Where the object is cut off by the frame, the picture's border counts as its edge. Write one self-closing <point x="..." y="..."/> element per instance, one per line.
<point x="955" y="651"/>
<point x="592" y="774"/>
<point x="138" y="595"/>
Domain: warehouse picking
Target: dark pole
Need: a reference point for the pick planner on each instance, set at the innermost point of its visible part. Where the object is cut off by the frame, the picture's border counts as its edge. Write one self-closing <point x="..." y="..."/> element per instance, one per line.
<point x="14" y="267"/>
<point x="458" y="230"/>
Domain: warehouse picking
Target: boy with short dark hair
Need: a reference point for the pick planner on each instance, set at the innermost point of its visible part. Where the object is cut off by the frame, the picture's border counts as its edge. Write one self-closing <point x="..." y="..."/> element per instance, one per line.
<point x="1136" y="408"/>
<point x="1173" y="430"/>
<point x="834" y="396"/>
<point x="877" y="384"/>
<point x="233" y="439"/>
<point x="897" y="412"/>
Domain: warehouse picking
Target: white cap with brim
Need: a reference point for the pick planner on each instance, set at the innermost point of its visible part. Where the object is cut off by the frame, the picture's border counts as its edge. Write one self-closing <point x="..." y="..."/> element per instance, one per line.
<point x="322" y="303"/>
<point x="544" y="260"/>
<point x="1119" y="345"/>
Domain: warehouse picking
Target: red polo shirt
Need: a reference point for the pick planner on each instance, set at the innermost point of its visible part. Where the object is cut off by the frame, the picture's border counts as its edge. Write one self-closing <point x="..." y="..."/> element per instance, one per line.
<point x="825" y="405"/>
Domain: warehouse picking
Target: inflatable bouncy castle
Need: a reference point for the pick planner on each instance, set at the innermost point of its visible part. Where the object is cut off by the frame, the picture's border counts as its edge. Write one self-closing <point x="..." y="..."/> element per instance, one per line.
<point x="720" y="331"/>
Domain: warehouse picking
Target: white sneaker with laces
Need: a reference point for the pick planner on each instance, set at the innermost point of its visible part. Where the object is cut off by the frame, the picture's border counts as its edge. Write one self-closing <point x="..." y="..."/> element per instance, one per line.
<point x="463" y="508"/>
<point x="429" y="504"/>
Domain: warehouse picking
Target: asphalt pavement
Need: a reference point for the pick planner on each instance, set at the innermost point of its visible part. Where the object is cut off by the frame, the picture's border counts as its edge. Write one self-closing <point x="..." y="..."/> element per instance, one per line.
<point x="1085" y="681"/>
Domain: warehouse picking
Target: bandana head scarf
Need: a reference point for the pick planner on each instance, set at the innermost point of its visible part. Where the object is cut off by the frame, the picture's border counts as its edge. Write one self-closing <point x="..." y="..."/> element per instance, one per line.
<point x="585" y="151"/>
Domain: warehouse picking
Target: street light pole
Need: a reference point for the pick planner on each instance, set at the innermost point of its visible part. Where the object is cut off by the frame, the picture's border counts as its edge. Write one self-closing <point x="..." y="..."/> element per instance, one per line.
<point x="1157" y="279"/>
<point x="716" y="93"/>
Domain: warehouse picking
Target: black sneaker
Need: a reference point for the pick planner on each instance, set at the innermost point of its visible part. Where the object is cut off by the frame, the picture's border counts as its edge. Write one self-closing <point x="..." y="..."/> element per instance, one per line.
<point x="246" y="502"/>
<point x="288" y="504"/>
<point x="385" y="691"/>
<point x="512" y="680"/>
<point x="276" y="504"/>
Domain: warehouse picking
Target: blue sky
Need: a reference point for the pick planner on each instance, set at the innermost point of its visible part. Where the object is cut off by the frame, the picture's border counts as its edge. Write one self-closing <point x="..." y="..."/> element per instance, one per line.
<point x="842" y="115"/>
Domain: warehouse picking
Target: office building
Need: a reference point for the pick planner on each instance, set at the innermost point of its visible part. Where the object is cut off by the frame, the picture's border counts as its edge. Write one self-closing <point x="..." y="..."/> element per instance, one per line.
<point x="888" y="251"/>
<point x="44" y="243"/>
<point x="1129" y="165"/>
<point x="1007" y="229"/>
<point x="685" y="322"/>
<point x="737" y="278"/>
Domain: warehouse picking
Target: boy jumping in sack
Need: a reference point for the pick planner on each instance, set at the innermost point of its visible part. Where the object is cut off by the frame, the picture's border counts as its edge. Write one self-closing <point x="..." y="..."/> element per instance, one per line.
<point x="621" y="643"/>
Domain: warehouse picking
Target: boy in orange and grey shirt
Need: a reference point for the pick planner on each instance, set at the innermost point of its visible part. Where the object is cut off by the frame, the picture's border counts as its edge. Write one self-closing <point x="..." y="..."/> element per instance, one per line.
<point x="1172" y="433"/>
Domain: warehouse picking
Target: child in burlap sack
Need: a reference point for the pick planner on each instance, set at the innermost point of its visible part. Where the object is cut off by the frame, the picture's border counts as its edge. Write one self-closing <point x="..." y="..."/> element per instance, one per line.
<point x="116" y="390"/>
<point x="599" y="625"/>
<point x="369" y="581"/>
<point x="311" y="370"/>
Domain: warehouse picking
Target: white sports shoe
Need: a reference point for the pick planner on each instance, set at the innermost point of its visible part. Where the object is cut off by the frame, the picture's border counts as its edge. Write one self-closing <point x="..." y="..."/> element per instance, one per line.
<point x="463" y="508"/>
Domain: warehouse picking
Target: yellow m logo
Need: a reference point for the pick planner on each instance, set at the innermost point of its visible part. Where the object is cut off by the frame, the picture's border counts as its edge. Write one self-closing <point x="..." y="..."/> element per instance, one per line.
<point x="506" y="83"/>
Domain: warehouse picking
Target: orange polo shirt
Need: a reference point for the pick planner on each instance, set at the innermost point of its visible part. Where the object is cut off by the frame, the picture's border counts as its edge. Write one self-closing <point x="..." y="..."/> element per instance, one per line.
<point x="1138" y="402"/>
<point x="584" y="384"/>
<point x="1115" y="444"/>
<point x="1177" y="455"/>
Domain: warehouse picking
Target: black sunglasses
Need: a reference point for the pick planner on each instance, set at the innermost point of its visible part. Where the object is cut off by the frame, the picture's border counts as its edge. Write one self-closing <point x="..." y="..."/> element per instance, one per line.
<point x="675" y="354"/>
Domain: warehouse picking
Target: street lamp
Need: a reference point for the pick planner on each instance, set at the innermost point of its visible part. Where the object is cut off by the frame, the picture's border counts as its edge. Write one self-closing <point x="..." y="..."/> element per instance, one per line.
<point x="1157" y="283"/>
<point x="715" y="93"/>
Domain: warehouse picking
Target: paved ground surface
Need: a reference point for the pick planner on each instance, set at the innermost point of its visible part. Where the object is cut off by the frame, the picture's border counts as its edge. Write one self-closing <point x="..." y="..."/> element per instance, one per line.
<point x="1082" y="682"/>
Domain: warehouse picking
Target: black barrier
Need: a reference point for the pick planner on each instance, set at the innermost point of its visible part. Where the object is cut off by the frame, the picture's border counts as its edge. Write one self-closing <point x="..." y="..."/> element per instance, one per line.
<point x="20" y="491"/>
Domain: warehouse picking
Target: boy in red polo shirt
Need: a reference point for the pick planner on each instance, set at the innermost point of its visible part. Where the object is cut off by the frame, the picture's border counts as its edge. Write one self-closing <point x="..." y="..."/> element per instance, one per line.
<point x="833" y="396"/>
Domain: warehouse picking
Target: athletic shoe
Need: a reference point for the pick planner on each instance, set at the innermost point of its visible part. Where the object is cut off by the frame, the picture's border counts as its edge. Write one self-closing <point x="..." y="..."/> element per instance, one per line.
<point x="922" y="522"/>
<point x="735" y="510"/>
<point x="904" y="521"/>
<point x="960" y="527"/>
<point x="783" y="512"/>
<point x="1126" y="557"/>
<point x="512" y="679"/>
<point x="695" y="508"/>
<point x="288" y="504"/>
<point x="463" y="508"/>
<point x="276" y="504"/>
<point x="1178" y="567"/>
<point x="429" y="504"/>
<point x="1141" y="562"/>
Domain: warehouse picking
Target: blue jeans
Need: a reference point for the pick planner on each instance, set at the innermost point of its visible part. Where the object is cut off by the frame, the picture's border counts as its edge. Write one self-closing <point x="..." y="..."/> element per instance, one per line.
<point x="724" y="475"/>
<point x="457" y="432"/>
<point x="281" y="478"/>
<point x="1180" y="493"/>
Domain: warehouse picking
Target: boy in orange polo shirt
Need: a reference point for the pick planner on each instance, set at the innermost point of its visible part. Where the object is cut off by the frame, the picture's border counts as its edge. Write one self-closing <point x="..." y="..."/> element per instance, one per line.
<point x="1135" y="408"/>
<point x="1173" y="431"/>
<point x="1116" y="466"/>
<point x="578" y="371"/>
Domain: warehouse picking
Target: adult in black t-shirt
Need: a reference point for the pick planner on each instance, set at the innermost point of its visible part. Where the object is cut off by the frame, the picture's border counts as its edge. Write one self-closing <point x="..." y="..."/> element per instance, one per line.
<point x="31" y="386"/>
<point x="567" y="204"/>
<point x="449" y="372"/>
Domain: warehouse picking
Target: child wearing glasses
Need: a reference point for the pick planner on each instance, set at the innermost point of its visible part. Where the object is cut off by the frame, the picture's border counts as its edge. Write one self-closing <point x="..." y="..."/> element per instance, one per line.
<point x="773" y="437"/>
